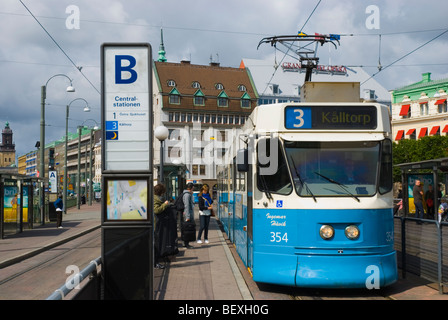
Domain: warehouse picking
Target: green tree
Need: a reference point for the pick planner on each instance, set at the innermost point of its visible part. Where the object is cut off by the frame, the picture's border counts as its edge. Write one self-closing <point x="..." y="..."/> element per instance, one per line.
<point x="426" y="148"/>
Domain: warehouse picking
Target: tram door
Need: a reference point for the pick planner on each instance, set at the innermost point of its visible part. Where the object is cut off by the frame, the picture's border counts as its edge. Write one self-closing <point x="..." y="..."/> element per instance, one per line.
<point x="249" y="206"/>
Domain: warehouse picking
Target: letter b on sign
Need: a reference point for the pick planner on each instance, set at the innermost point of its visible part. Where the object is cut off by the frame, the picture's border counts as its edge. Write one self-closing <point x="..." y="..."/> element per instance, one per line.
<point x="124" y="65"/>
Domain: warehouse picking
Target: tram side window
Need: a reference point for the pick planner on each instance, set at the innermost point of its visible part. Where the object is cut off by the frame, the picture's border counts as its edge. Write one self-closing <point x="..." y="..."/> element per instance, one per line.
<point x="385" y="184"/>
<point x="279" y="182"/>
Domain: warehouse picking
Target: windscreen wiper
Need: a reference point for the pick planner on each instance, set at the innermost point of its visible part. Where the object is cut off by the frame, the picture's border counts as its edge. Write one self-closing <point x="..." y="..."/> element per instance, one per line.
<point x="303" y="183"/>
<point x="342" y="186"/>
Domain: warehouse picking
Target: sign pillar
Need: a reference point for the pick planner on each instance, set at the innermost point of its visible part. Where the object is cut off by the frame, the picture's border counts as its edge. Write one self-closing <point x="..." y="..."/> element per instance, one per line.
<point x="127" y="171"/>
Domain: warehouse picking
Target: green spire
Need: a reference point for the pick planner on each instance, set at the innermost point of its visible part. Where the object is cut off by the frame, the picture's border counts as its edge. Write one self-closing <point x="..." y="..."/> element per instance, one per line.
<point x="162" y="52"/>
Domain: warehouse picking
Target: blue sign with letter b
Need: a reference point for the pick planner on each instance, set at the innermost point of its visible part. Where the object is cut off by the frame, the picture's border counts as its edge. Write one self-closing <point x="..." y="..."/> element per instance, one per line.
<point x="119" y="69"/>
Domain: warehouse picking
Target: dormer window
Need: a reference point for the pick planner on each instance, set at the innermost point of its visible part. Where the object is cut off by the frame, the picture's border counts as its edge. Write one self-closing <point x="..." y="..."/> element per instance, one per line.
<point x="171" y="83"/>
<point x="196" y="85"/>
<point x="199" y="99"/>
<point x="219" y="86"/>
<point x="223" y="99"/>
<point x="242" y="88"/>
<point x="174" y="96"/>
<point x="245" y="101"/>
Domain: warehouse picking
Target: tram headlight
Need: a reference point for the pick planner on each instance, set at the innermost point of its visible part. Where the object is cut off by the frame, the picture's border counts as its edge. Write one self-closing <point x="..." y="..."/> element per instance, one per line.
<point x="326" y="232"/>
<point x="352" y="232"/>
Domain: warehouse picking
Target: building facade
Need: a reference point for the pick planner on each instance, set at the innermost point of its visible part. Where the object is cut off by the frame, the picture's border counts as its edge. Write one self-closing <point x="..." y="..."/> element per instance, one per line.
<point x="420" y="109"/>
<point x="202" y="107"/>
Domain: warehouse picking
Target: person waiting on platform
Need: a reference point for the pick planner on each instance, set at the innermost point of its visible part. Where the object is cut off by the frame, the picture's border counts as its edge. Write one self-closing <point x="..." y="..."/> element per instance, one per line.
<point x="205" y="210"/>
<point x="443" y="210"/>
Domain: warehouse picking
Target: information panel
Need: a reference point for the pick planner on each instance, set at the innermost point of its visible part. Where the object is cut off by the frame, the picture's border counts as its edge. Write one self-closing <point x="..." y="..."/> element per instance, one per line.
<point x="127" y="107"/>
<point x="331" y="117"/>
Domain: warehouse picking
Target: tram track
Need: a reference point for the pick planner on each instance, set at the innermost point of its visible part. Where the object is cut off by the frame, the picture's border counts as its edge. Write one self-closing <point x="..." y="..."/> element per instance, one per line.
<point x="37" y="276"/>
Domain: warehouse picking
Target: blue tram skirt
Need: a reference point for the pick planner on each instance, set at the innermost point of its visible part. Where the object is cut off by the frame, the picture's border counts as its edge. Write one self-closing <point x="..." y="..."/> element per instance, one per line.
<point x="326" y="271"/>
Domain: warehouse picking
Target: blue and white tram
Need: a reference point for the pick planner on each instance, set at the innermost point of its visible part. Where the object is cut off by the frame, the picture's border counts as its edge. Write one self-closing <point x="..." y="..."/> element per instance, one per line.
<point x="307" y="197"/>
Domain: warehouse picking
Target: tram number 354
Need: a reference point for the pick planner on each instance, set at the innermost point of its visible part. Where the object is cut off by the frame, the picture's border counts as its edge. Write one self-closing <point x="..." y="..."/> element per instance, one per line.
<point x="279" y="237"/>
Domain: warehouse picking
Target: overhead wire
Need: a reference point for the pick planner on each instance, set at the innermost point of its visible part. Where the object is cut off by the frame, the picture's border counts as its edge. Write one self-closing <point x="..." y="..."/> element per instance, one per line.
<point x="289" y="48"/>
<point x="60" y="48"/>
<point x="407" y="54"/>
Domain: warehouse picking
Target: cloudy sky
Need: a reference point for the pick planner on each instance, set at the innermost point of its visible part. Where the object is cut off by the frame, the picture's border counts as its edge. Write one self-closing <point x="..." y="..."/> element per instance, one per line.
<point x="196" y="29"/>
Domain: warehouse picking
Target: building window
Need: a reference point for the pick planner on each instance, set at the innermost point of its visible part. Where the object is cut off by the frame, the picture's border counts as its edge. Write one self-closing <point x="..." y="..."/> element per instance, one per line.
<point x="221" y="136"/>
<point x="174" y="152"/>
<point x="202" y="170"/>
<point x="174" y="97"/>
<point x="194" y="170"/>
<point x="223" y="102"/>
<point x="219" y="86"/>
<point x="245" y="101"/>
<point x="424" y="109"/>
<point x="223" y="99"/>
<point x="198" y="99"/>
<point x="242" y="88"/>
<point x="196" y="85"/>
<point x="171" y="83"/>
<point x="442" y="107"/>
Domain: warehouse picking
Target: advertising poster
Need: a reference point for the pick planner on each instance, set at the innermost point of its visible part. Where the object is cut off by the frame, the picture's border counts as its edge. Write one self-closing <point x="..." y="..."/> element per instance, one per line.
<point x="12" y="202"/>
<point x="127" y="200"/>
<point x="426" y="180"/>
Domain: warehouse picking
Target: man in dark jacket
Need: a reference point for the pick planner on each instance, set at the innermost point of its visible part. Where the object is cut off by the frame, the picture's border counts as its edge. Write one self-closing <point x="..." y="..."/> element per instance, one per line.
<point x="417" y="192"/>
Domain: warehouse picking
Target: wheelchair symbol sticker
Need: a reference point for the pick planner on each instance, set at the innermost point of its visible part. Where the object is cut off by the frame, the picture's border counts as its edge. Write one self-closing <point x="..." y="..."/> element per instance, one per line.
<point x="279" y="204"/>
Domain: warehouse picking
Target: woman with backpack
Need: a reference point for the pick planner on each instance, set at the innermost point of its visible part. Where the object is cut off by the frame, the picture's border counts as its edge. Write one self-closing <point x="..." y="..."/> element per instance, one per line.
<point x="205" y="209"/>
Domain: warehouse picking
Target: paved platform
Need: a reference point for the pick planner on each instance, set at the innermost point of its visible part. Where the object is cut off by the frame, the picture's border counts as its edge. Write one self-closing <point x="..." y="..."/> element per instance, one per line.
<point x="205" y="272"/>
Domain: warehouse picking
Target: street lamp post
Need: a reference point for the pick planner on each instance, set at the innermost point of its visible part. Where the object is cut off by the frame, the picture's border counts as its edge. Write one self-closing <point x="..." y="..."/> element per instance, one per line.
<point x="161" y="133"/>
<point x="96" y="127"/>
<point x="43" y="96"/>
<point x="86" y="109"/>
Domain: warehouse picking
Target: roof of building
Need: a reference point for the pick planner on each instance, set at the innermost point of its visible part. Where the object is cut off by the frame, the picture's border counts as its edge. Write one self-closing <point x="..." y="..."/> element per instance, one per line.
<point x="414" y="90"/>
<point x="210" y="81"/>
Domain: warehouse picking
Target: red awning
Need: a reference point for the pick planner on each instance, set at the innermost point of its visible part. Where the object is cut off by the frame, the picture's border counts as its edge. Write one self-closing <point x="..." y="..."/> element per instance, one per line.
<point x="404" y="109"/>
<point x="399" y="135"/>
<point x="422" y="132"/>
<point x="445" y="129"/>
<point x="440" y="101"/>
<point x="410" y="131"/>
<point x="434" y="130"/>
<point x="422" y="102"/>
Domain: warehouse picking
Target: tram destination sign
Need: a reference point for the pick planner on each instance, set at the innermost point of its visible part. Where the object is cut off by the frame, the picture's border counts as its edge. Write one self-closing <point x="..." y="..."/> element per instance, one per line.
<point x="127" y="106"/>
<point x="331" y="117"/>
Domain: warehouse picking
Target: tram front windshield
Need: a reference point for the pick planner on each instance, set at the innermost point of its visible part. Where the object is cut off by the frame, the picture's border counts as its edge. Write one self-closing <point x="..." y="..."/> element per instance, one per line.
<point x="333" y="168"/>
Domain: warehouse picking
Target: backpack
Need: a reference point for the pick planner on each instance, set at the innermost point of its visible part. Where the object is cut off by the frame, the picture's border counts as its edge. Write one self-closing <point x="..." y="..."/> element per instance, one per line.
<point x="179" y="203"/>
